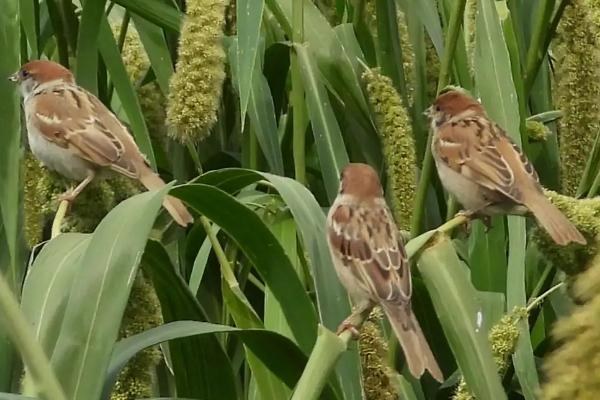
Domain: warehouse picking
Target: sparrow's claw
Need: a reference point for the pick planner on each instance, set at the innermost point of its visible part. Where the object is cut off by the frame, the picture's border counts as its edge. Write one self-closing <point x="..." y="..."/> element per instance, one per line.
<point x="468" y="214"/>
<point x="67" y="196"/>
<point x="487" y="221"/>
<point x="350" y="327"/>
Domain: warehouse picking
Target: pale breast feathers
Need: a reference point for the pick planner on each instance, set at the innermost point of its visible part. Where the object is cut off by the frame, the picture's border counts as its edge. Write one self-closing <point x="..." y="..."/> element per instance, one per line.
<point x="73" y="118"/>
<point x="366" y="241"/>
<point x="481" y="151"/>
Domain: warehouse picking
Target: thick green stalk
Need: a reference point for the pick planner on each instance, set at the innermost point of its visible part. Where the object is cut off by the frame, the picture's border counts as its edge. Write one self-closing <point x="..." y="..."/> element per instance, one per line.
<point x="297" y="100"/>
<point x="454" y="24"/>
<point x="20" y="332"/>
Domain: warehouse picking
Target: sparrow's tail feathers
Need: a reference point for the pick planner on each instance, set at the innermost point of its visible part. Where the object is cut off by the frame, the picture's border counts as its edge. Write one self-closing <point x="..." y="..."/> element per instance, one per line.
<point x="560" y="229"/>
<point x="416" y="350"/>
<point x="173" y="205"/>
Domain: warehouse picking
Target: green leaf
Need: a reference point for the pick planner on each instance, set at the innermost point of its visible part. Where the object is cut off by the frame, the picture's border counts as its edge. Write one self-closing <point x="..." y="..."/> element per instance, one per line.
<point x="131" y="106"/>
<point x="328" y="137"/>
<point x="154" y="43"/>
<point x="249" y="16"/>
<point x="427" y="12"/>
<point x="204" y="354"/>
<point x="155" y="11"/>
<point x="453" y="297"/>
<point x="10" y="139"/>
<point x="86" y="69"/>
<point x="48" y="286"/>
<point x="27" y="12"/>
<point x="267" y="345"/>
<point x="263" y="250"/>
<point x="494" y="80"/>
<point x="261" y="111"/>
<point x="95" y="308"/>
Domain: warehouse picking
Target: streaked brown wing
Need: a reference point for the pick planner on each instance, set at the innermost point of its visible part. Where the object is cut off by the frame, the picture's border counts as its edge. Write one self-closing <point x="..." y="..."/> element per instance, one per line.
<point x="481" y="151"/>
<point x="367" y="242"/>
<point x="70" y="118"/>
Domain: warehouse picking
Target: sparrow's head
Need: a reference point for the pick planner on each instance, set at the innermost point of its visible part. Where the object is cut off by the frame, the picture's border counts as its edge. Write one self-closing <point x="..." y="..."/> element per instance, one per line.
<point x="39" y="72"/>
<point x="451" y="103"/>
<point x="360" y="180"/>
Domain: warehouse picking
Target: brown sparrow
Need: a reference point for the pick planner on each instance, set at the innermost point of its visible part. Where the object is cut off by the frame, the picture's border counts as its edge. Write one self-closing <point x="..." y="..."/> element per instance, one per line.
<point x="371" y="262"/>
<point x="487" y="173"/>
<point x="70" y="131"/>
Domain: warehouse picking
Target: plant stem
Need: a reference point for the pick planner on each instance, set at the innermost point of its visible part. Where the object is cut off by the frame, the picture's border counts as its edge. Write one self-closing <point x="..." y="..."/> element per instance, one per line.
<point x="226" y="268"/>
<point x="297" y="96"/>
<point x="58" y="218"/>
<point x="454" y="24"/>
<point x="540" y="41"/>
<point x="359" y="12"/>
<point x="20" y="332"/>
<point x="537" y="300"/>
<point x="328" y="348"/>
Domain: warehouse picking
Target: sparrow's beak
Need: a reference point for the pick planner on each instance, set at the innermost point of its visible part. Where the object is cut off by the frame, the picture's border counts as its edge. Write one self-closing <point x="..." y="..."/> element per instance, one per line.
<point x="14" y="77"/>
<point x="428" y="112"/>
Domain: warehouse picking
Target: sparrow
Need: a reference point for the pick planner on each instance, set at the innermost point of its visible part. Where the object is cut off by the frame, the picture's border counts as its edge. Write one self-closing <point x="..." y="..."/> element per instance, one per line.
<point x="485" y="170"/>
<point x="370" y="261"/>
<point x="71" y="132"/>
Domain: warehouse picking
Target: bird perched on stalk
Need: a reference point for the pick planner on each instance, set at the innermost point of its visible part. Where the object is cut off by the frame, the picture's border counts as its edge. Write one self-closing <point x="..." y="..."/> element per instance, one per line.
<point x="71" y="132"/>
<point x="485" y="170"/>
<point x="371" y="262"/>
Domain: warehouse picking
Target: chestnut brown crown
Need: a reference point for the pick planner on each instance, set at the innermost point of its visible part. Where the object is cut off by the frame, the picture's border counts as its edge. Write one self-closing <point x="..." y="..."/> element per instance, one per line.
<point x="454" y="102"/>
<point x="44" y="71"/>
<point x="360" y="180"/>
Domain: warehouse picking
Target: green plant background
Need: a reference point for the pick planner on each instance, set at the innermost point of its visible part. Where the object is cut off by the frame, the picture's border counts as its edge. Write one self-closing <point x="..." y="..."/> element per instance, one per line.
<point x="253" y="107"/>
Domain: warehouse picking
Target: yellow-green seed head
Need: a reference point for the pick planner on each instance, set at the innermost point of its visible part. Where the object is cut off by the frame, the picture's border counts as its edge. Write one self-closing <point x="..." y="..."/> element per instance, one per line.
<point x="572" y="369"/>
<point x="537" y="131"/>
<point x="377" y="375"/>
<point x="196" y="86"/>
<point x="33" y="172"/>
<point x="585" y="215"/>
<point x="142" y="313"/>
<point x="503" y="337"/>
<point x="577" y="89"/>
<point x="395" y="133"/>
<point x="470" y="26"/>
<point x="432" y="71"/>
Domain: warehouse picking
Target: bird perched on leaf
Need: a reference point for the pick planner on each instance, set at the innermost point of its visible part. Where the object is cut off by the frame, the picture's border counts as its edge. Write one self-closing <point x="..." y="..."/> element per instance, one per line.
<point x="71" y="132"/>
<point x="371" y="262"/>
<point x="485" y="170"/>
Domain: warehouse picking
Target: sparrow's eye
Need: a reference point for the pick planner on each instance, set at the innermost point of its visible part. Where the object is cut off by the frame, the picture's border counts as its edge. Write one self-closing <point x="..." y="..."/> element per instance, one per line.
<point x="24" y="74"/>
<point x="438" y="109"/>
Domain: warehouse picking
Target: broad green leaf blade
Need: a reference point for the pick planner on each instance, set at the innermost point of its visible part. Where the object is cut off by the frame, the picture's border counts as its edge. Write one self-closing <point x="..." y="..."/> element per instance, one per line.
<point x="328" y="137"/>
<point x="263" y="250"/>
<point x="27" y="12"/>
<point x="523" y="359"/>
<point x="131" y="106"/>
<point x="94" y="311"/>
<point x="10" y="139"/>
<point x="494" y="80"/>
<point x="86" y="67"/>
<point x="155" y="11"/>
<point x="487" y="256"/>
<point x="454" y="299"/>
<point x="427" y="12"/>
<point x="262" y="342"/>
<point x="261" y="111"/>
<point x="212" y="375"/>
<point x="331" y="296"/>
<point x="249" y="16"/>
<point x="10" y="396"/>
<point x="154" y="43"/>
<point x="48" y="286"/>
<point x="200" y="261"/>
<point x="493" y="74"/>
